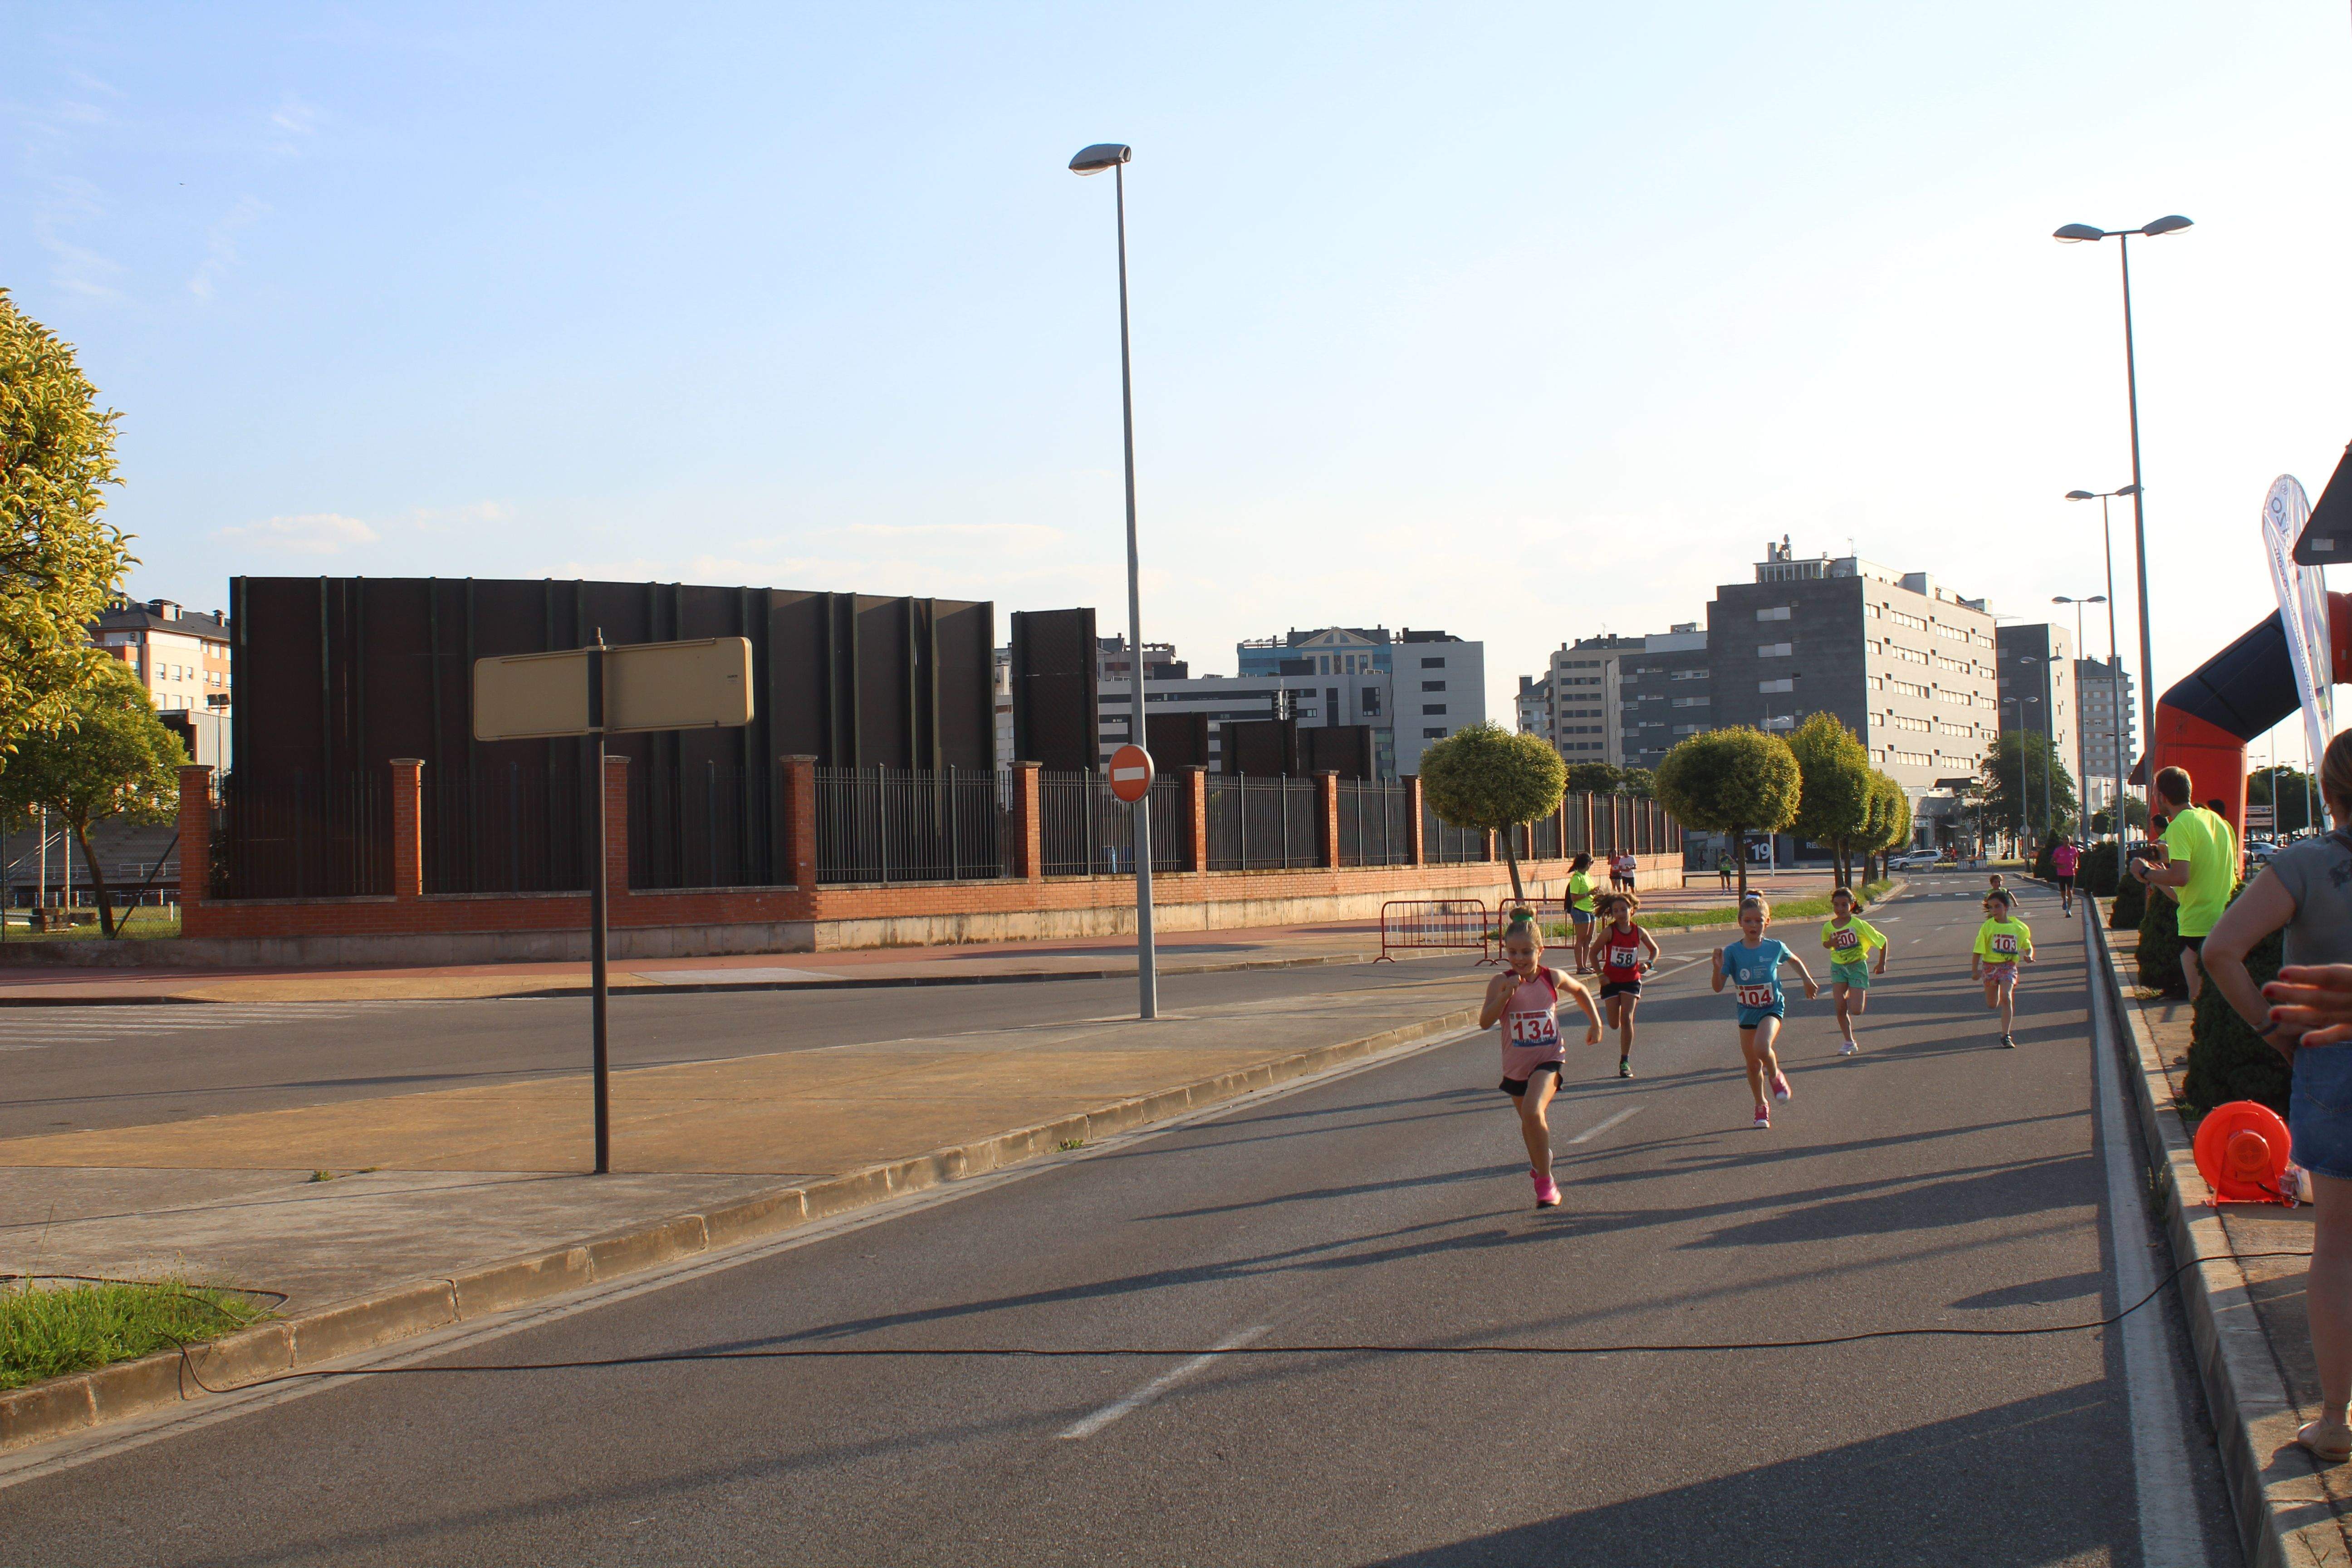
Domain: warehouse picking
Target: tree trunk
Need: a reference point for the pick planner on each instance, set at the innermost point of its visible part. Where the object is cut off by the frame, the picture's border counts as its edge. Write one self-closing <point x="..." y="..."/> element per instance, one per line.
<point x="106" y="924"/>
<point x="1511" y="858"/>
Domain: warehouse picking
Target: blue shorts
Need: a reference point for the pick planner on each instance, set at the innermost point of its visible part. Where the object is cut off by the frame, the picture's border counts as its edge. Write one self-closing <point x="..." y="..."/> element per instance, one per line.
<point x="2319" y="1111"/>
<point x="1751" y="1017"/>
<point x="1581" y="917"/>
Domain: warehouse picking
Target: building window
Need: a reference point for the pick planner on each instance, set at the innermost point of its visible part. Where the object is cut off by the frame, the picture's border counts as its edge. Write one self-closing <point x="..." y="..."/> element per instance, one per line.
<point x="1430" y="707"/>
<point x="1433" y="734"/>
<point x="1692" y="701"/>
<point x="1776" y="686"/>
<point x="1438" y="663"/>
<point x="1773" y="612"/>
<point x="1433" y="685"/>
<point x="1774" y="650"/>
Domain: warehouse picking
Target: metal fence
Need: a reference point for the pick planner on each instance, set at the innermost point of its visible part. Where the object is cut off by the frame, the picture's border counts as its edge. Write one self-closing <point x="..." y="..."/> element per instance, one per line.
<point x="305" y="837"/>
<point x="1375" y="824"/>
<point x="1084" y="830"/>
<point x="1262" y="824"/>
<point x="1446" y="846"/>
<point x="905" y="824"/>
<point x="502" y="830"/>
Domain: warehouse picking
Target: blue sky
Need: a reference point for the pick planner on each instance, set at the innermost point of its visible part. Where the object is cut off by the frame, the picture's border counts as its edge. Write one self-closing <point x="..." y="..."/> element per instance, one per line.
<point x="1516" y="321"/>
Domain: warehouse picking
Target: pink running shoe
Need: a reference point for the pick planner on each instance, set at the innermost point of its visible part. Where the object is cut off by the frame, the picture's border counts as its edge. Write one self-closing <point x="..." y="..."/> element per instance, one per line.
<point x="1780" y="1089"/>
<point x="1763" y="1116"/>
<point x="1547" y="1191"/>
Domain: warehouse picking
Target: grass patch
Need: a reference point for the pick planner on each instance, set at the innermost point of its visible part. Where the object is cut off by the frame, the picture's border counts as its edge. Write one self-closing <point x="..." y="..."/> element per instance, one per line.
<point x="1070" y="1143"/>
<point x="1727" y="914"/>
<point x="148" y="920"/>
<point x="50" y="1331"/>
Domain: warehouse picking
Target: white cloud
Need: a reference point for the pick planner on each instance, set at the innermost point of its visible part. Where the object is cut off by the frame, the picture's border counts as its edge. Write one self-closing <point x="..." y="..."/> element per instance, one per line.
<point x="220" y="245"/>
<point x="309" y="534"/>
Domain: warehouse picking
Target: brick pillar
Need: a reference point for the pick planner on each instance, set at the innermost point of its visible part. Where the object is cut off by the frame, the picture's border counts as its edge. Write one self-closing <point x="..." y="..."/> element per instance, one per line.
<point x="407" y="827"/>
<point x="616" y="827"/>
<point x="1196" y="819"/>
<point x="800" y="821"/>
<point x="195" y="835"/>
<point x="1327" y="816"/>
<point x="1494" y="853"/>
<point x="1585" y="806"/>
<point x="1413" y="817"/>
<point x="1028" y="847"/>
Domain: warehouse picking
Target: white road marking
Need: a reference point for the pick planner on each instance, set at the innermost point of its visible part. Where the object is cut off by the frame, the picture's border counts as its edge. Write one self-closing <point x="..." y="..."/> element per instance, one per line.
<point x="1128" y="1405"/>
<point x="1598" y="1127"/>
<point x="2171" y="1535"/>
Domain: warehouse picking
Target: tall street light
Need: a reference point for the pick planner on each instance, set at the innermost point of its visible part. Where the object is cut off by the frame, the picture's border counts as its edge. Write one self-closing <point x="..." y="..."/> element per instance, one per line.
<point x="2074" y="233"/>
<point x="2114" y="689"/>
<point x="2079" y="730"/>
<point x="1094" y="160"/>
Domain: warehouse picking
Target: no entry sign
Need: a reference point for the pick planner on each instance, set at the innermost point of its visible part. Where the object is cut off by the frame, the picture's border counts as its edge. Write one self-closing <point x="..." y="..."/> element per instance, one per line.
<point x="1131" y="773"/>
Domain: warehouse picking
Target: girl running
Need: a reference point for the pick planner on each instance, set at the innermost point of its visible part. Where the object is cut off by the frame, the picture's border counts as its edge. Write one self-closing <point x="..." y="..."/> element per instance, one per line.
<point x="1620" y="954"/>
<point x="1525" y="998"/>
<point x="2003" y="942"/>
<point x="1753" y="964"/>
<point x="1850" y="939"/>
<point x="1581" y="889"/>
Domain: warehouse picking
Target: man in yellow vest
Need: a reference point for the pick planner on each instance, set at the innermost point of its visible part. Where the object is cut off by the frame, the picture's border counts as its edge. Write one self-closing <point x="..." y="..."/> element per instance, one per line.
<point x="2199" y="868"/>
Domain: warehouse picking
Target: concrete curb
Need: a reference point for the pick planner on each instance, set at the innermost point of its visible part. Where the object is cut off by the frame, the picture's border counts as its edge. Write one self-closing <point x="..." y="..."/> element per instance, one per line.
<point x="2287" y="1514"/>
<point x="62" y="1406"/>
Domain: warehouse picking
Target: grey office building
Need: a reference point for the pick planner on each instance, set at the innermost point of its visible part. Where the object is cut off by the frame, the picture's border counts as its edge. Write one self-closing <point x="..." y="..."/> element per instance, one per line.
<point x="2109" y="732"/>
<point x="2039" y="689"/>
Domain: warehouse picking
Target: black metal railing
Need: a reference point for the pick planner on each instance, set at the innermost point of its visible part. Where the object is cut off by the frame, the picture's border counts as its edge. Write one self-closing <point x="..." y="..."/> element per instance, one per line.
<point x="1375" y="824"/>
<point x="303" y="837"/>
<point x="1443" y="845"/>
<point x="508" y="829"/>
<point x="909" y="824"/>
<point x="1262" y="824"/>
<point x="1084" y="830"/>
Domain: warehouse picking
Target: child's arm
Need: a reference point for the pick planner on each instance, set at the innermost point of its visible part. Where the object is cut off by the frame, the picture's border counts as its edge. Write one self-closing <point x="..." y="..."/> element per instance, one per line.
<point x="1651" y="944"/>
<point x="1498" y="996"/>
<point x="1812" y="989"/>
<point x="1576" y="988"/>
<point x="1717" y="956"/>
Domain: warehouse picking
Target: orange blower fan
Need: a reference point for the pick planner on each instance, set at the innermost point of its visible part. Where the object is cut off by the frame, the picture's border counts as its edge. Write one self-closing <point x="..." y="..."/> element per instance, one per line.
<point x="2242" y="1152"/>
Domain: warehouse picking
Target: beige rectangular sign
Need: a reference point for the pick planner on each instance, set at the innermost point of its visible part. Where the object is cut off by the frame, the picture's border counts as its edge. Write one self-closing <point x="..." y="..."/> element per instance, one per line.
<point x="696" y="685"/>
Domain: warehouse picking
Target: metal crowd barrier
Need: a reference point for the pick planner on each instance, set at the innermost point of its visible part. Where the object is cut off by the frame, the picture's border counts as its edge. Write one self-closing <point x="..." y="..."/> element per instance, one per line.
<point x="1409" y="925"/>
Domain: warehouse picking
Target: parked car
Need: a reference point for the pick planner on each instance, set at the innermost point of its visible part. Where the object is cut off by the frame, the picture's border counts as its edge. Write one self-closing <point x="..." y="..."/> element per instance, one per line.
<point x="2260" y="850"/>
<point x="1913" y="860"/>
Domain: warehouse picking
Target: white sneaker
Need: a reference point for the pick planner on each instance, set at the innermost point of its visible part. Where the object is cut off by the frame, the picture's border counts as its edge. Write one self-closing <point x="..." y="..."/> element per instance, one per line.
<point x="1849" y="1048"/>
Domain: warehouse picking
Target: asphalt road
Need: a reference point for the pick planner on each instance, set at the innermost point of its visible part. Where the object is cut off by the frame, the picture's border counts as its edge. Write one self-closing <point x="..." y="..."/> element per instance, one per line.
<point x="73" y="1069"/>
<point x="1935" y="1179"/>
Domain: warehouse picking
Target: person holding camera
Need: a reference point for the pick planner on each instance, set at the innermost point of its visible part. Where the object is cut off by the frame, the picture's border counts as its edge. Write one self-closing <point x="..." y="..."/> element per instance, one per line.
<point x="2199" y="870"/>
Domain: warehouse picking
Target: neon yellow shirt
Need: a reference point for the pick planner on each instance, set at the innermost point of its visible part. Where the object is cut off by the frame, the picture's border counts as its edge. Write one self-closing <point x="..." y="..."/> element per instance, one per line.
<point x="1579" y="892"/>
<point x="1851" y="943"/>
<point x="2004" y="941"/>
<point x="2204" y="840"/>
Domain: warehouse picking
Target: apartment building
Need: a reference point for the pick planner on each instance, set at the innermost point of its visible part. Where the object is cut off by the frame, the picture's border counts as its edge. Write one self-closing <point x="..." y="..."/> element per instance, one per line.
<point x="1663" y="694"/>
<point x="2109" y="733"/>
<point x="1584" y="676"/>
<point x="1358" y="696"/>
<point x="2039" y="689"/>
<point x="1535" y="706"/>
<point x="181" y="657"/>
<point x="1427" y="684"/>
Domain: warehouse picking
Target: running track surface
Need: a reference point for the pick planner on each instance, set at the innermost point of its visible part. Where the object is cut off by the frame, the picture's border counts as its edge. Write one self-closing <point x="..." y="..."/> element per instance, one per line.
<point x="1935" y="1179"/>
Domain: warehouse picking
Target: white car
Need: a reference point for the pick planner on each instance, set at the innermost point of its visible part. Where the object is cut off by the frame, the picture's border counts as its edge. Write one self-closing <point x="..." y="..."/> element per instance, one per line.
<point x="1913" y="860"/>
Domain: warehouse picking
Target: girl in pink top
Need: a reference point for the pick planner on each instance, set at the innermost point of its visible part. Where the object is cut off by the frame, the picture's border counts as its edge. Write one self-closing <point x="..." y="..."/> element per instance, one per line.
<point x="1524" y="1000"/>
<point x="2062" y="863"/>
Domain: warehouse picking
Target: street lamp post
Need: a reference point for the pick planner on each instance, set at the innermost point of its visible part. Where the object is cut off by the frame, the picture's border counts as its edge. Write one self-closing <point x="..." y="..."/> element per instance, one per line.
<point x="2080" y="729"/>
<point x="1094" y="160"/>
<point x="2114" y="688"/>
<point x="2074" y="233"/>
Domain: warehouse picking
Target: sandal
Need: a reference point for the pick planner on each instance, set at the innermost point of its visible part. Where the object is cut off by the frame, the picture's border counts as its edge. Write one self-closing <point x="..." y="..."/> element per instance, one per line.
<point x="2326" y="1452"/>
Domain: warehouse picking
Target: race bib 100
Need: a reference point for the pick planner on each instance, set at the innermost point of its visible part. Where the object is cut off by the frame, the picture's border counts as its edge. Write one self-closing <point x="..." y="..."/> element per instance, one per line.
<point x="1846" y="939"/>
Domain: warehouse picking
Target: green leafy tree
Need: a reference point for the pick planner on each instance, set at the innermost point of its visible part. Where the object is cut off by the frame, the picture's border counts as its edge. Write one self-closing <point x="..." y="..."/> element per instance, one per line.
<point x="1834" y="766"/>
<point x="2135" y="815"/>
<point x="2012" y="783"/>
<point x="1639" y="782"/>
<point x="2290" y="790"/>
<point x="1737" y="781"/>
<point x="1889" y="828"/>
<point x="1484" y="776"/>
<point x="1594" y="778"/>
<point x="58" y="557"/>
<point x="109" y="758"/>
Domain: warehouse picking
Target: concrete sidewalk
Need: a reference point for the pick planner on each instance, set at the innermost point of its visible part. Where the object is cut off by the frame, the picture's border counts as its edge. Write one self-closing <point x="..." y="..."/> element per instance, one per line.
<point x="1191" y="951"/>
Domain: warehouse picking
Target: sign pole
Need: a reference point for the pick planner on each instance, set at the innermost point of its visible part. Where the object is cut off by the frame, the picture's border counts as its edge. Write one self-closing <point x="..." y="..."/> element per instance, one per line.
<point x="597" y="899"/>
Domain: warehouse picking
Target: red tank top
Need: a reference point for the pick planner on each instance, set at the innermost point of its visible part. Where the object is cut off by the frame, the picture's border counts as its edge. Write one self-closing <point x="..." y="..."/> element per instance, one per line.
<point x="1621" y="955"/>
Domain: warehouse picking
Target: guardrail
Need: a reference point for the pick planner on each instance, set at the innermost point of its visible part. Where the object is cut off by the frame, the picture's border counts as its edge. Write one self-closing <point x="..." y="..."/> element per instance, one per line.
<point x="1425" y="925"/>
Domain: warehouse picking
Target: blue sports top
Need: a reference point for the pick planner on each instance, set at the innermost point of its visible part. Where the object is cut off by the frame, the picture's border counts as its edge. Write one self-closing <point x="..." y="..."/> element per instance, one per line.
<point x="1755" y="971"/>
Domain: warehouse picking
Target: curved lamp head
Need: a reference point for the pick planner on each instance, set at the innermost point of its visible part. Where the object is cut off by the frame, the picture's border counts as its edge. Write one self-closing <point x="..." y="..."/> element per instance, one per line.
<point x="2081" y="495"/>
<point x="2128" y="491"/>
<point x="1103" y="156"/>
<point x="2172" y="225"/>
<point x="2078" y="231"/>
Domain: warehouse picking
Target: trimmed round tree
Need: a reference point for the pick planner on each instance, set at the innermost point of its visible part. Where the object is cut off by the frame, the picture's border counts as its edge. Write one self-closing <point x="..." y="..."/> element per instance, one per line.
<point x="1839" y="781"/>
<point x="1737" y="781"/>
<point x="1485" y="777"/>
<point x="1595" y="778"/>
<point x="1890" y="818"/>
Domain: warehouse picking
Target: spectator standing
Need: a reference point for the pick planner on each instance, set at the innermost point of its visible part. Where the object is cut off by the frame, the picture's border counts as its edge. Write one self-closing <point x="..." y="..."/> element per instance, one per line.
<point x="2306" y="892"/>
<point x="2199" y="869"/>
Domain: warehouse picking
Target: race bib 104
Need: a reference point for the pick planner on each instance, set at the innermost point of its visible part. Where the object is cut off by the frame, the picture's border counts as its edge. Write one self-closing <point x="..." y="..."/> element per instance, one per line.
<point x="1756" y="995"/>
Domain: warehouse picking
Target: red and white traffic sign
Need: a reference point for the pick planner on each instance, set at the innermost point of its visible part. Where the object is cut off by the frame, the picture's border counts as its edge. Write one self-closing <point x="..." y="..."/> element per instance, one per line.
<point x="1131" y="773"/>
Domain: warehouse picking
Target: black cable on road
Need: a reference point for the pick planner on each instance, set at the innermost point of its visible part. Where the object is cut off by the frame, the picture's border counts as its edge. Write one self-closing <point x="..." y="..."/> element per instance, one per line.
<point x="1055" y="1353"/>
